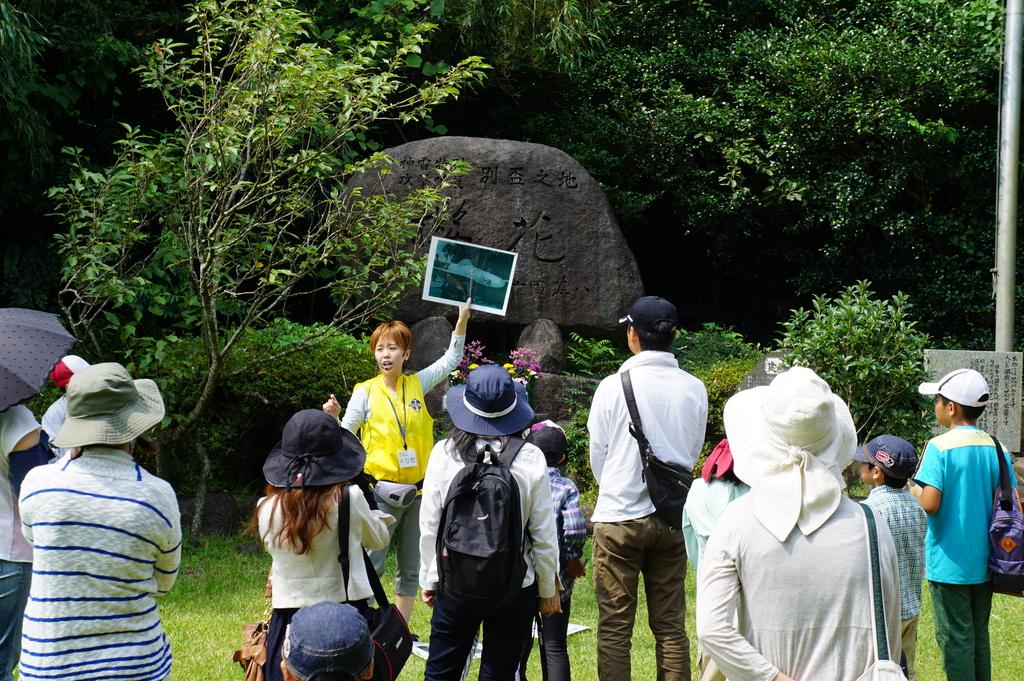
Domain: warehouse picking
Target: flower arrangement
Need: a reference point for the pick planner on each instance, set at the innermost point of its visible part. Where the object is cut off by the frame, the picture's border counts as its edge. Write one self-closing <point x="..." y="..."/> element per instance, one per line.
<point x="523" y="364"/>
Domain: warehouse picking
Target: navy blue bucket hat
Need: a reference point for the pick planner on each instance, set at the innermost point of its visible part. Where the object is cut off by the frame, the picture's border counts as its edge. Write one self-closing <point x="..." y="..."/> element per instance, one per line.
<point x="490" y="403"/>
<point x="314" y="450"/>
<point x="328" y="638"/>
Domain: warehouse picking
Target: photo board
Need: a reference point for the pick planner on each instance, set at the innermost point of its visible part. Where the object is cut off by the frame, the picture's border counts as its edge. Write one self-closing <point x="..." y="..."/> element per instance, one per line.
<point x="457" y="270"/>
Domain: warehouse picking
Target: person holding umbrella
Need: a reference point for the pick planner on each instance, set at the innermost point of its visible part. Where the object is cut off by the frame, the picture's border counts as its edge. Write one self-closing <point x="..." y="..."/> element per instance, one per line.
<point x="29" y="343"/>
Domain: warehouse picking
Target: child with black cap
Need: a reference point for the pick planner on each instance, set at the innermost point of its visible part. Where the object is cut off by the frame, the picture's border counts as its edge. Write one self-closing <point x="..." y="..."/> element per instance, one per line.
<point x="886" y="463"/>
<point x="549" y="437"/>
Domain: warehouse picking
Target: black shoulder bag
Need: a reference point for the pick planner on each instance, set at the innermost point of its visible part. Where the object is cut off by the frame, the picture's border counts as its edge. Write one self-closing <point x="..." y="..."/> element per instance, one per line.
<point x="667" y="483"/>
<point x="392" y="641"/>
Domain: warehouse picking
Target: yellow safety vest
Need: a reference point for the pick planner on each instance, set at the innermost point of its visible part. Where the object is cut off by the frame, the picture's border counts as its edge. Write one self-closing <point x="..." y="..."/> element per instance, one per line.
<point x="381" y="435"/>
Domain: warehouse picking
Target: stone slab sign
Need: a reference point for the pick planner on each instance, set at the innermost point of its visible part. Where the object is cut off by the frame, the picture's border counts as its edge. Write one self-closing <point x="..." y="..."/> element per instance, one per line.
<point x="762" y="374"/>
<point x="1002" y="370"/>
<point x="574" y="266"/>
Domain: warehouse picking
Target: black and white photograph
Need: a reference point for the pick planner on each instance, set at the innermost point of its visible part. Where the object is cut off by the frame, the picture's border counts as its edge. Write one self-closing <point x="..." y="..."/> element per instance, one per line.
<point x="457" y="270"/>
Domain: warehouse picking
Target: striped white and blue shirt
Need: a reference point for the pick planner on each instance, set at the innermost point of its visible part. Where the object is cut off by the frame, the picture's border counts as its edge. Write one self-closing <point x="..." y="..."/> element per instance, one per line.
<point x="106" y="536"/>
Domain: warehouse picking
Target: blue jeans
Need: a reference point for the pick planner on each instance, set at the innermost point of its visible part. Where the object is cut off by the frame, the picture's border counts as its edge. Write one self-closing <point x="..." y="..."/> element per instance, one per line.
<point x="453" y="627"/>
<point x="15" y="579"/>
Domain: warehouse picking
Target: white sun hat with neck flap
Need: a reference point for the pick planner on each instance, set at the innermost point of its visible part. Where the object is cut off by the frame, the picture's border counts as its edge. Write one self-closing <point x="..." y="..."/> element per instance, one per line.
<point x="790" y="442"/>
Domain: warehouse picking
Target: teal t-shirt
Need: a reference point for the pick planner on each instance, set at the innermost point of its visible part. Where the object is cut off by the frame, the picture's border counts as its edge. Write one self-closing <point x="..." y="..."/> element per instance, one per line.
<point x="961" y="464"/>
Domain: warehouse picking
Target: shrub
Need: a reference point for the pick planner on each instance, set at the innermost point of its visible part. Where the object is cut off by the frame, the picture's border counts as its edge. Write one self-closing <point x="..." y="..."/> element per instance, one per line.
<point x="251" y="408"/>
<point x="593" y="357"/>
<point x="699" y="351"/>
<point x="577" y="460"/>
<point x="721" y="381"/>
<point x="872" y="355"/>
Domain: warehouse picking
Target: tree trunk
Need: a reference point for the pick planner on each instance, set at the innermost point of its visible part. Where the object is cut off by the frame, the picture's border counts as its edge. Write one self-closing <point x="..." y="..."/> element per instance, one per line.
<point x="196" y="523"/>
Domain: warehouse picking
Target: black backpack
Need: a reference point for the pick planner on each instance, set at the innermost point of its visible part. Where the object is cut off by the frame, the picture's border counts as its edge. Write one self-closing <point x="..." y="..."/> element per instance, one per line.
<point x="480" y="535"/>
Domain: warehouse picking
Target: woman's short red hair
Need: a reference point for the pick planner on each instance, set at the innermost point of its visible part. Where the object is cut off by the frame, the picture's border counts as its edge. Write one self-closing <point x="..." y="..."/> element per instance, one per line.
<point x="393" y="330"/>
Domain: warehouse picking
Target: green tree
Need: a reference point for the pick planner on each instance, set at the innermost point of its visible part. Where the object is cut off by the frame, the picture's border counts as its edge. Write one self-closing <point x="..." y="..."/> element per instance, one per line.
<point x="871" y="354"/>
<point x="241" y="209"/>
<point x="772" y="150"/>
<point x="20" y="45"/>
<point x="534" y="34"/>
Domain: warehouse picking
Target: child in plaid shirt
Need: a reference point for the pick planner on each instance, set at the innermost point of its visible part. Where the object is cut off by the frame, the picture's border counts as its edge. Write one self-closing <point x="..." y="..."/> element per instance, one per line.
<point x="886" y="463"/>
<point x="572" y="534"/>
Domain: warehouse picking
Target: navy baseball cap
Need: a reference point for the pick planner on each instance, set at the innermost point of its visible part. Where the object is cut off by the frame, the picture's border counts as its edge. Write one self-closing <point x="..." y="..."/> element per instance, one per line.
<point x="647" y="312"/>
<point x="892" y="454"/>
<point x="327" y="637"/>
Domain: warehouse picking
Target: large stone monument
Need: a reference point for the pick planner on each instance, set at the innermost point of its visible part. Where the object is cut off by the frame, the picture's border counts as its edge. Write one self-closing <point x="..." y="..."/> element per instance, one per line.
<point x="1002" y="370"/>
<point x="574" y="267"/>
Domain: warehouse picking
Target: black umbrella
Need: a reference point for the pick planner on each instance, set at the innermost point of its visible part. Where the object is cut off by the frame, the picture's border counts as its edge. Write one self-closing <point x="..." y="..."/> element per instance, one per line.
<point x="31" y="342"/>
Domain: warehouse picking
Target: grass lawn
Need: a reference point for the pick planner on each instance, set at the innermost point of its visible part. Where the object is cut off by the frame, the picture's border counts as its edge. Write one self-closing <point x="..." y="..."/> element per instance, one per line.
<point x="221" y="586"/>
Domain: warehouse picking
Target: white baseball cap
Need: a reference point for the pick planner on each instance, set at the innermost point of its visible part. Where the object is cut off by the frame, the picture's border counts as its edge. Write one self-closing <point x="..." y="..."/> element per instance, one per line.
<point x="963" y="386"/>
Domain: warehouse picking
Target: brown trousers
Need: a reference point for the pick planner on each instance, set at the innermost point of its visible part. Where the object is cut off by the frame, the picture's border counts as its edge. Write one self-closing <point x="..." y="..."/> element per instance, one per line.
<point x="622" y="551"/>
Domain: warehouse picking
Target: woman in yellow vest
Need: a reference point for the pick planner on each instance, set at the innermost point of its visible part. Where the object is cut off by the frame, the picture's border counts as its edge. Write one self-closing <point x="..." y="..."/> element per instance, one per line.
<point x="390" y="416"/>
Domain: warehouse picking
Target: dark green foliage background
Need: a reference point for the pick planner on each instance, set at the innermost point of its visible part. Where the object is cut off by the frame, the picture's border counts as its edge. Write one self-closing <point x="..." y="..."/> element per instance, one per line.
<point x="756" y="153"/>
<point x="250" y="410"/>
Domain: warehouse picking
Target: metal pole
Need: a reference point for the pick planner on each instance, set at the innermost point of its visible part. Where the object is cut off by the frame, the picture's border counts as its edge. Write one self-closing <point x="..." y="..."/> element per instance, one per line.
<point x="1009" y="142"/>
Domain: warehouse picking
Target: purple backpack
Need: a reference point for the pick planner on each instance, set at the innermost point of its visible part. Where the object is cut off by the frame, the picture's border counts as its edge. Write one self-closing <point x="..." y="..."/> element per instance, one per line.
<point x="1006" y="534"/>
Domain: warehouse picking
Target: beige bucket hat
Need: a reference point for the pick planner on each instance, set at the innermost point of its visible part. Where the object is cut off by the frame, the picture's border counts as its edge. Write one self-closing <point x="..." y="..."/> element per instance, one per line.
<point x="790" y="442"/>
<point x="106" y="407"/>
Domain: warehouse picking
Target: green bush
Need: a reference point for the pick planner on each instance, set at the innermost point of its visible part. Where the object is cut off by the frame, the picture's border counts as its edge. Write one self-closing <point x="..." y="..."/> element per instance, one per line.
<point x="721" y="381"/>
<point x="700" y="351"/>
<point x="593" y="357"/>
<point x="871" y="354"/>
<point x="251" y="407"/>
<point x="577" y="461"/>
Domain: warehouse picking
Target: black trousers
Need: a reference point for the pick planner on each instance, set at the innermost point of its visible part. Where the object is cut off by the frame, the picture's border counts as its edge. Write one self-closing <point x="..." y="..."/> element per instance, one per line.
<point x="453" y="627"/>
<point x="556" y="653"/>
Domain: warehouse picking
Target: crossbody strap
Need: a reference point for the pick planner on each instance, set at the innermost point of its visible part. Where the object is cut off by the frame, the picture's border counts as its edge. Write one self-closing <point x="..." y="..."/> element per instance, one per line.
<point x="1006" y="498"/>
<point x="344" y="522"/>
<point x="636" y="427"/>
<point x="878" y="605"/>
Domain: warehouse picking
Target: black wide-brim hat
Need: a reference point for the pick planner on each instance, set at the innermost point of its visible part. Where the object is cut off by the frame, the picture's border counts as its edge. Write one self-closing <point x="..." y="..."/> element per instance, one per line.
<point x="314" y="450"/>
<point x="490" y="403"/>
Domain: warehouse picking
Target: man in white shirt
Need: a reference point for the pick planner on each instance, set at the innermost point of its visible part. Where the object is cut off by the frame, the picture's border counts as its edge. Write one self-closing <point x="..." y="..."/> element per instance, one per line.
<point x="628" y="537"/>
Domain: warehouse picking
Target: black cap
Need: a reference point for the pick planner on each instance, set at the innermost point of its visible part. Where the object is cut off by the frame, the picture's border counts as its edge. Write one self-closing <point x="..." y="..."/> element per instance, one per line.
<point x="551" y="440"/>
<point x="648" y="313"/>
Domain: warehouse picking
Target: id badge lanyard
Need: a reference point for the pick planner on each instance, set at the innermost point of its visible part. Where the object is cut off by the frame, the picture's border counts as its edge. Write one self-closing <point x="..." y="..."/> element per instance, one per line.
<point x="404" y="421"/>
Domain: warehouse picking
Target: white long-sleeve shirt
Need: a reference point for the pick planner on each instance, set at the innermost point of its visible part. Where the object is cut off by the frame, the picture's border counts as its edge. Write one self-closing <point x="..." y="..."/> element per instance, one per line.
<point x="305" y="579"/>
<point x="530" y="471"/>
<point x="802" y="606"/>
<point x="673" y="407"/>
<point x="53" y="419"/>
